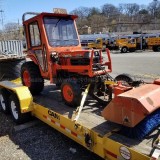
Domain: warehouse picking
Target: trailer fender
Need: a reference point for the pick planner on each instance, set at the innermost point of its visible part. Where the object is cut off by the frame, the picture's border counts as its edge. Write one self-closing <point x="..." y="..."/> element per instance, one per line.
<point x="23" y="94"/>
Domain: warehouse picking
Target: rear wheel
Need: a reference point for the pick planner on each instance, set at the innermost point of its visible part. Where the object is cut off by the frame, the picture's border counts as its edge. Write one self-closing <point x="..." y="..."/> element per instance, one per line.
<point x="154" y="48"/>
<point x="17" y="116"/>
<point x="124" y="50"/>
<point x="32" y="78"/>
<point x="158" y="48"/>
<point x="124" y="78"/>
<point x="10" y="69"/>
<point x="71" y="93"/>
<point x="4" y="98"/>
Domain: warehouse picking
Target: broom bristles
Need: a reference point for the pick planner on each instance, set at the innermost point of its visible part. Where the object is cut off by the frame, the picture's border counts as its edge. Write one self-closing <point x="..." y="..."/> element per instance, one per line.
<point x="140" y="131"/>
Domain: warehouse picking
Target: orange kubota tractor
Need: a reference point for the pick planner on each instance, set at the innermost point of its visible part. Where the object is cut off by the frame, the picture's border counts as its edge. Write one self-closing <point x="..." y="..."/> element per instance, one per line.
<point x="53" y="45"/>
<point x="54" y="48"/>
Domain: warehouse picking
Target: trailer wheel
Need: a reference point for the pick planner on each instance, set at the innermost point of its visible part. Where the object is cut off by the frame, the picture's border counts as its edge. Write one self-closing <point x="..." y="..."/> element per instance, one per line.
<point x="124" y="50"/>
<point x="32" y="78"/>
<point x="4" y="98"/>
<point x="125" y="78"/>
<point x="71" y="93"/>
<point x="17" y="116"/>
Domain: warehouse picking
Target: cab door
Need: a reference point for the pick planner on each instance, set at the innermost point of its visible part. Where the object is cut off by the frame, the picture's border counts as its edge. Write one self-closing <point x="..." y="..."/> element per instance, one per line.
<point x="37" y="47"/>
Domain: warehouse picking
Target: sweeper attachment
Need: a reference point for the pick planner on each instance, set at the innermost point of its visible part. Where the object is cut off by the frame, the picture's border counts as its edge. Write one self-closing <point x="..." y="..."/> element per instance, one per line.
<point x="137" y="109"/>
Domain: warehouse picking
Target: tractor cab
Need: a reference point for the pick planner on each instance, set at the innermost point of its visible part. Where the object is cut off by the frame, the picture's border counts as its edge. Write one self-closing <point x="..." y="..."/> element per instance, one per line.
<point x="56" y="30"/>
<point x="48" y="34"/>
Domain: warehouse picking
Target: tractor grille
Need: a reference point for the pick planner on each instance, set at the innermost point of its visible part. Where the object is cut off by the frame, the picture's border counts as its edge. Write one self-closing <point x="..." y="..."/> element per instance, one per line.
<point x="83" y="61"/>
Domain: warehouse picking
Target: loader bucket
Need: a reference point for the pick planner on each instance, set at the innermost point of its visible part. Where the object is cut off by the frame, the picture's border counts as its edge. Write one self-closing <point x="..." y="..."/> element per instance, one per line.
<point x="131" y="107"/>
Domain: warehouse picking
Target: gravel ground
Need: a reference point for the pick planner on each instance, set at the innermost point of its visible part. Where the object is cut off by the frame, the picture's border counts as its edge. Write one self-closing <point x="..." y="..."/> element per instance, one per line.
<point x="38" y="142"/>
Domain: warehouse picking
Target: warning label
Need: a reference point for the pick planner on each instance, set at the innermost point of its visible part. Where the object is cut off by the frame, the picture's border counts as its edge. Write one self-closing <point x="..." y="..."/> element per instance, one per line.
<point x="125" y="153"/>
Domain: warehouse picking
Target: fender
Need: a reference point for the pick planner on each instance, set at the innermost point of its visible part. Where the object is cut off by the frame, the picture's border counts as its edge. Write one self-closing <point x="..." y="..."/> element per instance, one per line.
<point x="23" y="94"/>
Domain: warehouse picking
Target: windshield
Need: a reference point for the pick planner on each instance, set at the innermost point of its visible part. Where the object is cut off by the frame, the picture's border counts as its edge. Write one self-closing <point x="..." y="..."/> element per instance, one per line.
<point x="61" y="31"/>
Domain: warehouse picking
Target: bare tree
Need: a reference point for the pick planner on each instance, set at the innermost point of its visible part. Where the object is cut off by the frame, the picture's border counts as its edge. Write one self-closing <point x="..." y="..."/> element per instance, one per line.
<point x="129" y="9"/>
<point x="153" y="7"/>
<point x="82" y="12"/>
<point x="154" y="10"/>
<point x="110" y="10"/>
<point x="12" y="31"/>
<point x="94" y="11"/>
<point x="82" y="22"/>
<point x="98" y="22"/>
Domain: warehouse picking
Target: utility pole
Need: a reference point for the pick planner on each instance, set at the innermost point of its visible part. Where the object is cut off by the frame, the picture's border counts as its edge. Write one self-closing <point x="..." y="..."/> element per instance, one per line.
<point x="1" y="14"/>
<point x="1" y="11"/>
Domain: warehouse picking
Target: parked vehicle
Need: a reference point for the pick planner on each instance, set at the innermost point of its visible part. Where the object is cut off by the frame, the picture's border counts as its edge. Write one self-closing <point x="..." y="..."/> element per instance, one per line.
<point x="99" y="43"/>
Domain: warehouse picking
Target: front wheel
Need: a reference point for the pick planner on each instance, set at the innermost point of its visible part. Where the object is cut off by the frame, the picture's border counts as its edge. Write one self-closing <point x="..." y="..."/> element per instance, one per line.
<point x="71" y="93"/>
<point x="17" y="116"/>
<point x="124" y="50"/>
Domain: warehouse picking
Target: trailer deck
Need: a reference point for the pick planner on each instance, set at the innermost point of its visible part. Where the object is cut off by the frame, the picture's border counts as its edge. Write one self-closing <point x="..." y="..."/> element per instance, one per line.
<point x="91" y="130"/>
<point x="5" y="58"/>
<point x="91" y="118"/>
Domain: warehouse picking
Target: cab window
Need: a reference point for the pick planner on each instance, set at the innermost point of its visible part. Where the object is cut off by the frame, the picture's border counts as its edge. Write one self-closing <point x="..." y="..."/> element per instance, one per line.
<point x="35" y="39"/>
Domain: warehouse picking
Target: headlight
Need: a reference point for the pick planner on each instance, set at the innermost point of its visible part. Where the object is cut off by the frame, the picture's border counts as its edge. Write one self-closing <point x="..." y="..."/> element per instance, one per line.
<point x="53" y="53"/>
<point x="54" y="56"/>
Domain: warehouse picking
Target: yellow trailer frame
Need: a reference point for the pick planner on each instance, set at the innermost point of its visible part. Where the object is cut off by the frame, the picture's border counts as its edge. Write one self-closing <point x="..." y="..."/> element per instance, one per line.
<point x="58" y="116"/>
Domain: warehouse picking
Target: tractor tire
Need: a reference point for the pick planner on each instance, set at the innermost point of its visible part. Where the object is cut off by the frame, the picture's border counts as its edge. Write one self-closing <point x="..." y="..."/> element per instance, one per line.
<point x="4" y="101"/>
<point x="17" y="116"/>
<point x="124" y="78"/>
<point x="71" y="93"/>
<point x="10" y="69"/>
<point x="32" y="78"/>
<point x="124" y="50"/>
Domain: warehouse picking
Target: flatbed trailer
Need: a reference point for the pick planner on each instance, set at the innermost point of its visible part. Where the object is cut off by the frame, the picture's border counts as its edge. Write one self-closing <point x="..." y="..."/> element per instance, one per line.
<point x="91" y="130"/>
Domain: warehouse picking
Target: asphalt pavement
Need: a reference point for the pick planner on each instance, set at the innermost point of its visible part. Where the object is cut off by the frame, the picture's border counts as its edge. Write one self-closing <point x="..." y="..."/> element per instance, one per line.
<point x="140" y="65"/>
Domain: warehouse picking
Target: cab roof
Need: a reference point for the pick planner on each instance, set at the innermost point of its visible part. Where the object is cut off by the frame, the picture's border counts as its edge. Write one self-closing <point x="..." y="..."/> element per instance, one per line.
<point x="43" y="14"/>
